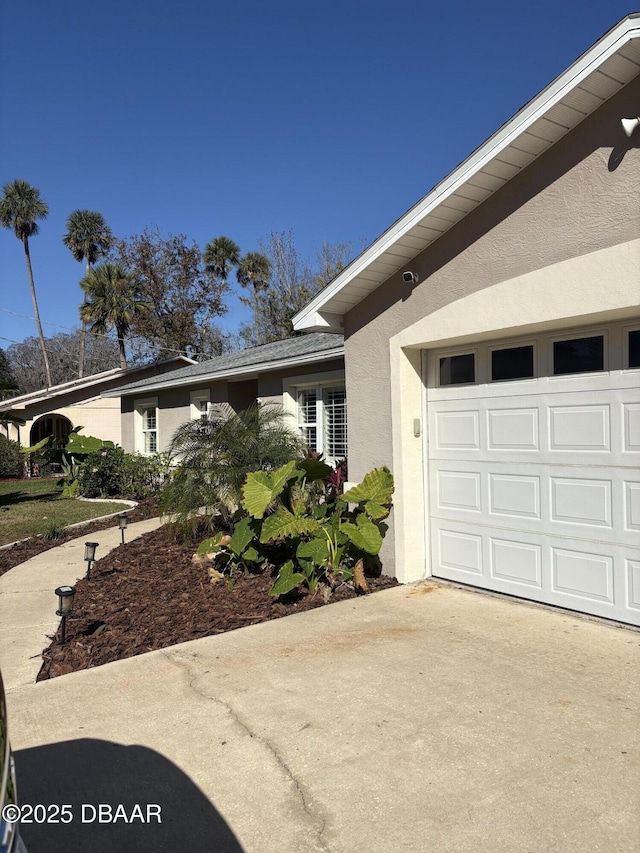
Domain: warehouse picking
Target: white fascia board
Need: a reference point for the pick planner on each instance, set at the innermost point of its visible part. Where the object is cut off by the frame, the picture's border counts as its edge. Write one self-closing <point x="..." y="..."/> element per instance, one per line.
<point x="607" y="46"/>
<point x="323" y="322"/>
<point x="78" y="384"/>
<point x="232" y="372"/>
<point x="57" y="390"/>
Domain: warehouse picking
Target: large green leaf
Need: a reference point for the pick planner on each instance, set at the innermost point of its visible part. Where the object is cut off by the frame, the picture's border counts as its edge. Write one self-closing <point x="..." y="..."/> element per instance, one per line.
<point x="314" y="469"/>
<point x="287" y="580"/>
<point x="283" y="523"/>
<point x="315" y="550"/>
<point x="35" y="447"/>
<point x="364" y="534"/>
<point x="256" y="493"/>
<point x="85" y="444"/>
<point x="243" y="534"/>
<point x="211" y="545"/>
<point x="374" y="492"/>
<point x="260" y="488"/>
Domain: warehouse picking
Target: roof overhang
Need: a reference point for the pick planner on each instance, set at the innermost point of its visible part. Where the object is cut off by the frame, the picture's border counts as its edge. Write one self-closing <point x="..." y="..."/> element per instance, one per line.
<point x="591" y="80"/>
<point x="249" y="371"/>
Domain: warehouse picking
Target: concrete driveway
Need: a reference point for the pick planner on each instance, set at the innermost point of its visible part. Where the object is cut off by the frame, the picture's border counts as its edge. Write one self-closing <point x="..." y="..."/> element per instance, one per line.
<point x="423" y="718"/>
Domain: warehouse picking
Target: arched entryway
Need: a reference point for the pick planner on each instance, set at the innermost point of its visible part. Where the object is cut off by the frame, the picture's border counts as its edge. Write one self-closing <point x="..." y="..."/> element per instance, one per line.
<point x="56" y="425"/>
<point x="49" y="461"/>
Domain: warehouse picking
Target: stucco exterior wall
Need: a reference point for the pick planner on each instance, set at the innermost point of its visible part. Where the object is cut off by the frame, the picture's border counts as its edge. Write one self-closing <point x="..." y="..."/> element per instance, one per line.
<point x="99" y="416"/>
<point x="553" y="223"/>
<point x="174" y="404"/>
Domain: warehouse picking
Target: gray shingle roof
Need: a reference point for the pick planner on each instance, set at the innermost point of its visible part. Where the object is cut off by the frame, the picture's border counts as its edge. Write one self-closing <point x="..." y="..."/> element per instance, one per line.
<point x="263" y="358"/>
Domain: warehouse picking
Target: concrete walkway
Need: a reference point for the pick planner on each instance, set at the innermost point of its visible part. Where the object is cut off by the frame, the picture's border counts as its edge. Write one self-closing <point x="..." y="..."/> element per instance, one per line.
<point x="28" y="604"/>
<point x="422" y="718"/>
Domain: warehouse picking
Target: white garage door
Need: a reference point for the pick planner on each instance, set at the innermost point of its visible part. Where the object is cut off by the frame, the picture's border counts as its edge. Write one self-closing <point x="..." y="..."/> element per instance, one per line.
<point x="533" y="454"/>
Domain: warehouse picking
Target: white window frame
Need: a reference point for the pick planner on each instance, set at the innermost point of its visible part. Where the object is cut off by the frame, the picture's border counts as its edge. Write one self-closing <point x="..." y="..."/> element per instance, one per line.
<point x="140" y="432"/>
<point x="197" y="398"/>
<point x="318" y="383"/>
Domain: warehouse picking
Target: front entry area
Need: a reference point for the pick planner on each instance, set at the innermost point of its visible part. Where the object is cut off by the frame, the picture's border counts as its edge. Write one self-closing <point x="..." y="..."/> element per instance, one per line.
<point x="56" y="425"/>
<point x="533" y="449"/>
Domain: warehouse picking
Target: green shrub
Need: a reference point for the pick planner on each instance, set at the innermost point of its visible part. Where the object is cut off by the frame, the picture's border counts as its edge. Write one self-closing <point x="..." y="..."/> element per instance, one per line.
<point x="111" y="471"/>
<point x="309" y="538"/>
<point x="11" y="460"/>
<point x="212" y="460"/>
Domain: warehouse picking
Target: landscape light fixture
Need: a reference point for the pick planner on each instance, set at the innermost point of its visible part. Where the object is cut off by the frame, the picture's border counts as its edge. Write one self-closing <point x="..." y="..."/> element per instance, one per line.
<point x="122" y="523"/>
<point x="630" y="124"/>
<point x="90" y="555"/>
<point x="65" y="606"/>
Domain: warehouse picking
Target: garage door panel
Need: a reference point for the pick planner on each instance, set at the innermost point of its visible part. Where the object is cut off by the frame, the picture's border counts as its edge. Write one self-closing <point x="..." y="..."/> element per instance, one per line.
<point x="512" y="429"/>
<point x="633" y="584"/>
<point x="631" y="420"/>
<point x="593" y="577"/>
<point x="632" y="506"/>
<point x="579" y="428"/>
<point x="581" y="575"/>
<point x="552" y="431"/>
<point x="534" y="485"/>
<point x="516" y="562"/>
<point x="514" y="495"/>
<point x="598" y="504"/>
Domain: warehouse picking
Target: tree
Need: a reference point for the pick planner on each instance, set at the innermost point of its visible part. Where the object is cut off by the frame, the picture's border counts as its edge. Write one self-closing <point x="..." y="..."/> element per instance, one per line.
<point x="185" y="294"/>
<point x="88" y="238"/>
<point x="253" y="272"/>
<point x="220" y="255"/>
<point x="20" y="208"/>
<point x="293" y="281"/>
<point x="26" y="365"/>
<point x="8" y="384"/>
<point x="114" y="299"/>
<point x="214" y="457"/>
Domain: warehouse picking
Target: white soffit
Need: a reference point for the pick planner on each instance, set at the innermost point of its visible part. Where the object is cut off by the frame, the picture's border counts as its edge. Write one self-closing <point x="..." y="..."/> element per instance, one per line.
<point x="592" y="79"/>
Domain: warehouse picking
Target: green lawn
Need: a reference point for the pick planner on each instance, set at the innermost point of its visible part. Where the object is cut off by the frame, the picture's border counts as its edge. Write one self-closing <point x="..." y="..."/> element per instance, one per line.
<point x="31" y="507"/>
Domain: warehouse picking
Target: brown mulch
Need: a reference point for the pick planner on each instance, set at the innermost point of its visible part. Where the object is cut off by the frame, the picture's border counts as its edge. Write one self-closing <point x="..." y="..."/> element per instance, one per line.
<point x="23" y="551"/>
<point x="148" y="595"/>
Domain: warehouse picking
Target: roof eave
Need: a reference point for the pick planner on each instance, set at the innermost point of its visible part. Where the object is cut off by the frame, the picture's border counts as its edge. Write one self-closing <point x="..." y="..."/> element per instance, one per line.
<point x="232" y="372"/>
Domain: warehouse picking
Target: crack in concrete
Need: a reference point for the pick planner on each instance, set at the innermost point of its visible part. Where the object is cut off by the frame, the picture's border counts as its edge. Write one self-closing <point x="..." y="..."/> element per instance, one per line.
<point x="313" y="815"/>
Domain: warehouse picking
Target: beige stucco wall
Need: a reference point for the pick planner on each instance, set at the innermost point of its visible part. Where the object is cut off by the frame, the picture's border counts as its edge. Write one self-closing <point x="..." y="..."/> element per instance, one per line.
<point x="174" y="404"/>
<point x="558" y="245"/>
<point x="99" y="416"/>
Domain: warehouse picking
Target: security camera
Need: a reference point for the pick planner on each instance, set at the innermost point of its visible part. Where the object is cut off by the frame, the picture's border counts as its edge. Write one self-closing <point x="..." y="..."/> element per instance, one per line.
<point x="410" y="277"/>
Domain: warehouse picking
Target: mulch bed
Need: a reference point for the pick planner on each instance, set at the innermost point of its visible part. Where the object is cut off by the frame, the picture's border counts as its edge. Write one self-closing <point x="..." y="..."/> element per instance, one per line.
<point x="23" y="551"/>
<point x="148" y="595"/>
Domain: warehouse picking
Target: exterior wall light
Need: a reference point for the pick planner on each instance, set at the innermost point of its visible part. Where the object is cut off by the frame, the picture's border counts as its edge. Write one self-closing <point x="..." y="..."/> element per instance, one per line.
<point x="90" y="555"/>
<point x="65" y="607"/>
<point x="122" y="524"/>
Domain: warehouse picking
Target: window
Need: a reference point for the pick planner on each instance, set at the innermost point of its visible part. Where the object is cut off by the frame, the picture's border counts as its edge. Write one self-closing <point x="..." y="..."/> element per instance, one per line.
<point x="200" y="401"/>
<point x="458" y="369"/>
<point x="335" y="422"/>
<point x="146" y="426"/>
<point x="322" y="420"/>
<point x="578" y="355"/>
<point x="512" y="363"/>
<point x="634" y="348"/>
<point x="150" y="429"/>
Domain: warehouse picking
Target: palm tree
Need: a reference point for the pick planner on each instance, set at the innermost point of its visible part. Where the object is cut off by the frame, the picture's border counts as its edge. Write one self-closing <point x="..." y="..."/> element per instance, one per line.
<point x="20" y="207"/>
<point x="254" y="271"/>
<point x="88" y="237"/>
<point x="113" y="298"/>
<point x="214" y="457"/>
<point x="220" y="255"/>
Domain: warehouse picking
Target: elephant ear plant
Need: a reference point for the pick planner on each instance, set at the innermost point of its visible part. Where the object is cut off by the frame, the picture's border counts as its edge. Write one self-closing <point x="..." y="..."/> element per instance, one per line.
<point x="297" y="523"/>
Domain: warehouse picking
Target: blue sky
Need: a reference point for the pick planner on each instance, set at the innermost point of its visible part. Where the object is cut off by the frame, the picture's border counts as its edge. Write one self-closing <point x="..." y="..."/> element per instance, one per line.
<point x="204" y="118"/>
